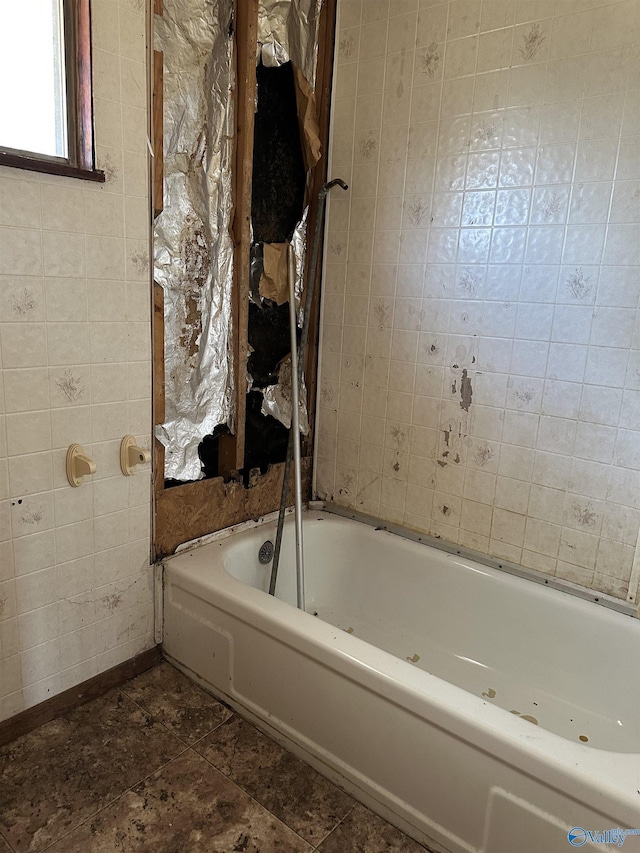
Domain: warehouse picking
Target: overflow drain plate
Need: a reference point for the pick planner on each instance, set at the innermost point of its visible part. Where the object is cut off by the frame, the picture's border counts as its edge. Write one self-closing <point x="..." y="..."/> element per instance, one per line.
<point x="265" y="554"/>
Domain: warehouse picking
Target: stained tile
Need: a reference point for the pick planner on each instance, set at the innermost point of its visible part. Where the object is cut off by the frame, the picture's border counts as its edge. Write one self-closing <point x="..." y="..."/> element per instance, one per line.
<point x="364" y="832"/>
<point x="292" y="790"/>
<point x="4" y="847"/>
<point x="177" y="702"/>
<point x="186" y="806"/>
<point x="56" y="777"/>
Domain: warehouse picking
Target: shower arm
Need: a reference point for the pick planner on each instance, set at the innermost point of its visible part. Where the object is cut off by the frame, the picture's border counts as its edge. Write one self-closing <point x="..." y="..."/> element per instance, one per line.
<point x="297" y="378"/>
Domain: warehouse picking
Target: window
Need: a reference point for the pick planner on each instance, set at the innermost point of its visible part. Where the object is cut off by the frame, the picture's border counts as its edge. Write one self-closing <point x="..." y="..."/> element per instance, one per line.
<point x="46" y="119"/>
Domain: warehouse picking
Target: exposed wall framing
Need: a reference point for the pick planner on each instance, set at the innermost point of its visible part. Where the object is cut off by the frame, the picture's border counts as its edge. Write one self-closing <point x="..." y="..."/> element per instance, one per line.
<point x="231" y="447"/>
<point x="187" y="511"/>
<point x="324" y="79"/>
<point x="158" y="384"/>
<point x="157" y="203"/>
<point x="157" y="190"/>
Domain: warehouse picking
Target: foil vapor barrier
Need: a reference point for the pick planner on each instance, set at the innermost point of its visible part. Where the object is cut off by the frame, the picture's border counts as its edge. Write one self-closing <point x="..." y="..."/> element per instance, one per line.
<point x="193" y="245"/>
<point x="277" y="398"/>
<point x="288" y="30"/>
<point x="299" y="243"/>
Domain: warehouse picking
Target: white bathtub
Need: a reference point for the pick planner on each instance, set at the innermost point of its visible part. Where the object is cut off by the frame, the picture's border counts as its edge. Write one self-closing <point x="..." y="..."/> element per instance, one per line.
<point x="401" y="687"/>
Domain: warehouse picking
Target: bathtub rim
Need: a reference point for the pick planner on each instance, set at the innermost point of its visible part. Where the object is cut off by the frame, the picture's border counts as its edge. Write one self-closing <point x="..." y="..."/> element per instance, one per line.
<point x="582" y="592"/>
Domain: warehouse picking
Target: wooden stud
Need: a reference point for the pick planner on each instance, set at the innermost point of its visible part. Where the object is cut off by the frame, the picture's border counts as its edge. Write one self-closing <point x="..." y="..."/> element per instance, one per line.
<point x="157" y="198"/>
<point x="158" y="354"/>
<point x="157" y="188"/>
<point x="158" y="385"/>
<point x="231" y="451"/>
<point x="324" y="78"/>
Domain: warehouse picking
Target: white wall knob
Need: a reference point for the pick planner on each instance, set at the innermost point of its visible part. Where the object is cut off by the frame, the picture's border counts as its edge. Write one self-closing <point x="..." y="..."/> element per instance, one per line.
<point x="78" y="465"/>
<point x="132" y="455"/>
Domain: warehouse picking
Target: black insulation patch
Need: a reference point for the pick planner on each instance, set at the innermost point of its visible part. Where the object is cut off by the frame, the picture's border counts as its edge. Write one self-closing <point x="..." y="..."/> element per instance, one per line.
<point x="278" y="165"/>
<point x="276" y="208"/>
<point x="265" y="438"/>
<point x="269" y="338"/>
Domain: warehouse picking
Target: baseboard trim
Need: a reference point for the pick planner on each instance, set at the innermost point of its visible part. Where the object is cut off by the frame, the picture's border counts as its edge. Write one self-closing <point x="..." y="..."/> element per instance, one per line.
<point x="48" y="710"/>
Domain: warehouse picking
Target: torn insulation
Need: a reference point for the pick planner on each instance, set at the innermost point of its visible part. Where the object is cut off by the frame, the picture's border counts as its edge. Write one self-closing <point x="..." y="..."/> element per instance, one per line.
<point x="288" y="30"/>
<point x="299" y="243"/>
<point x="274" y="282"/>
<point x="193" y="244"/>
<point x="276" y="399"/>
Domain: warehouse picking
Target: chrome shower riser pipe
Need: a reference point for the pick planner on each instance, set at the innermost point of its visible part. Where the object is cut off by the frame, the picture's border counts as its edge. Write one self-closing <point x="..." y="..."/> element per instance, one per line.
<point x="296" y="375"/>
<point x="295" y="430"/>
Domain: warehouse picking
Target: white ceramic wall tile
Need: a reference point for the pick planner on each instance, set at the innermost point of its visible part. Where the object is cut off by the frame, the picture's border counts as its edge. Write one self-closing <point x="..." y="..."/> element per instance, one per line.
<point x="11" y="681"/>
<point x="490" y="236"/>
<point x="75" y="366"/>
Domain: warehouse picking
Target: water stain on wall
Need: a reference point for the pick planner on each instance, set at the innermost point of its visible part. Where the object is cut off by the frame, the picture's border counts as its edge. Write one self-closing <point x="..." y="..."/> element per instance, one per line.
<point x="466" y="391"/>
<point x="451" y="444"/>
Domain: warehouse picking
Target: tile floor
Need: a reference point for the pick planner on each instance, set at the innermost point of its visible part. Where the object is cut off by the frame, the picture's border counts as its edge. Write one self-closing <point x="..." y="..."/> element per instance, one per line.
<point x="159" y="766"/>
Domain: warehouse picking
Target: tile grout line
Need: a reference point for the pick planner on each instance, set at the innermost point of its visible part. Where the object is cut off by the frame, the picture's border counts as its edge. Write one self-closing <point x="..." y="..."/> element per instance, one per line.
<point x="9" y="845"/>
<point x="191" y="748"/>
<point x="232" y="714"/>
<point x="226" y="776"/>
<point x="253" y="799"/>
<point x="187" y="748"/>
<point x="126" y="791"/>
<point x="198" y="740"/>
<point x="214" y="729"/>
<point x="340" y="822"/>
<point x="634" y="577"/>
<point x="111" y="802"/>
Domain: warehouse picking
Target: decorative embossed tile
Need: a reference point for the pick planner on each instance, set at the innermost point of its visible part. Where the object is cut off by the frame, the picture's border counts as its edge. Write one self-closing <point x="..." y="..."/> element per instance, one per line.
<point x="177" y="702"/>
<point x="57" y="776"/>
<point x="187" y="807"/>
<point x="292" y="790"/>
<point x="364" y="832"/>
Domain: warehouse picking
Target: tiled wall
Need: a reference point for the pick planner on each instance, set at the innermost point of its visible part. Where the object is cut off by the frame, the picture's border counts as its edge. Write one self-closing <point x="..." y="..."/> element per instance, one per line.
<point x="75" y="589"/>
<point x="481" y="363"/>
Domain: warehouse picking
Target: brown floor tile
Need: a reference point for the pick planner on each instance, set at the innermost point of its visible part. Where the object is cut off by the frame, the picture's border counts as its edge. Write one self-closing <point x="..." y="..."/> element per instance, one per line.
<point x="364" y="832"/>
<point x="292" y="790"/>
<point x="177" y="702"/>
<point x="187" y="807"/>
<point x="57" y="776"/>
<point x="4" y="847"/>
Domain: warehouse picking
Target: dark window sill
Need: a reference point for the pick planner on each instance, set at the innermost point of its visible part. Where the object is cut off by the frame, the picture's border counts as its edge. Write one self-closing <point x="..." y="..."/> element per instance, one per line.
<point x="50" y="167"/>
